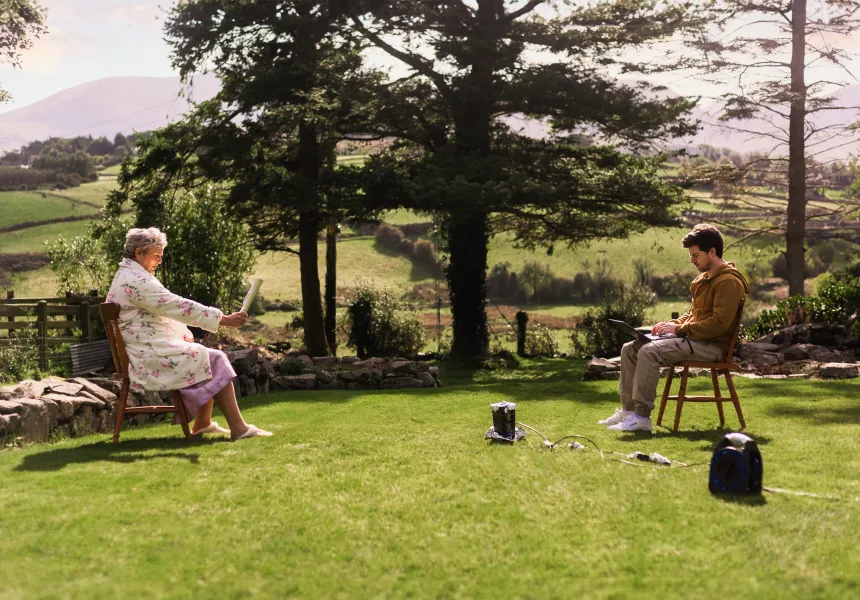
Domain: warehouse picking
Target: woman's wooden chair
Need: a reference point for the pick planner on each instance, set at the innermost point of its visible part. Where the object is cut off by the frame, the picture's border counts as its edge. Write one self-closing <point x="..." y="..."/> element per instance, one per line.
<point x="110" y="315"/>
<point x="717" y="368"/>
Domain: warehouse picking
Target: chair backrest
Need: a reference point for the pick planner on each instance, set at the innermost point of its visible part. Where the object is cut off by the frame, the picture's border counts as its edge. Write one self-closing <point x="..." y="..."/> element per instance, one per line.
<point x="109" y="312"/>
<point x="736" y="329"/>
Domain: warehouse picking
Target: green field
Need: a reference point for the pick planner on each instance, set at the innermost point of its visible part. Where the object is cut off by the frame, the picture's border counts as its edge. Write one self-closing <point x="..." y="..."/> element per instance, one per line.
<point x="397" y="495"/>
<point x="94" y="193"/>
<point x="113" y="170"/>
<point x="32" y="239"/>
<point x="358" y="258"/>
<point x="21" y="207"/>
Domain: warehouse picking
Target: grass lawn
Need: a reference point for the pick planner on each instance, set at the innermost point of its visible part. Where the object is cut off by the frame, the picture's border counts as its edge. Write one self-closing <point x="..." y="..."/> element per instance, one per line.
<point x="396" y="494"/>
<point x="20" y="207"/>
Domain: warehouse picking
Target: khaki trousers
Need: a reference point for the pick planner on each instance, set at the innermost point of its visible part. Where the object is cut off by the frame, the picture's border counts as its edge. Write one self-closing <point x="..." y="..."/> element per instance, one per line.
<point x="640" y="368"/>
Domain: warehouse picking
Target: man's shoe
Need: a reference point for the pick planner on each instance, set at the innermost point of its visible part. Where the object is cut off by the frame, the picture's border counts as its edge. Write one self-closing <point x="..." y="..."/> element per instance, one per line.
<point x="633" y="423"/>
<point x="619" y="415"/>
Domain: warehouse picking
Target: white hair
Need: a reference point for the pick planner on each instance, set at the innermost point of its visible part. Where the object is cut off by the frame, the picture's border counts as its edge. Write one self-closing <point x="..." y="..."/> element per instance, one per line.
<point x="143" y="239"/>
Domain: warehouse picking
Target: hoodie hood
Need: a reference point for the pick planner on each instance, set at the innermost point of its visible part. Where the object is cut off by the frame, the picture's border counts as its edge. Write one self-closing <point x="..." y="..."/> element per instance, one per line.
<point x="727" y="270"/>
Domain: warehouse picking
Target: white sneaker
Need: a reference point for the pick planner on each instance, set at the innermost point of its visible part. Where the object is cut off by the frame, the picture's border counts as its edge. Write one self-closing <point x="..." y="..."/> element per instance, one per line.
<point x="633" y="422"/>
<point x="619" y="415"/>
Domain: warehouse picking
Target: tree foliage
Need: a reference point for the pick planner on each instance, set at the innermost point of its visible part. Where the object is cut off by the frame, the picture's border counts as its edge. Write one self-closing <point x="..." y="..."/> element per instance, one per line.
<point x="21" y="21"/>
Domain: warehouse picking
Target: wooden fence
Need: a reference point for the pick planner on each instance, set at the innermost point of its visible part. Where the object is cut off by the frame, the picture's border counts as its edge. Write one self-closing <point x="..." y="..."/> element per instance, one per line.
<point x="45" y="315"/>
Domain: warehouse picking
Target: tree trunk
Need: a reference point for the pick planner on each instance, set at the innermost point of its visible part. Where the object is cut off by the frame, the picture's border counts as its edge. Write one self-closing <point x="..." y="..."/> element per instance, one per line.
<point x="315" y="340"/>
<point x="795" y="230"/>
<point x="331" y="286"/>
<point x="467" y="281"/>
<point x="468" y="236"/>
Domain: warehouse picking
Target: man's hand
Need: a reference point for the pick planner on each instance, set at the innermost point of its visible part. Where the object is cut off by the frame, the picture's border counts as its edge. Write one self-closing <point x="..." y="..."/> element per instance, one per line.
<point x="667" y="329"/>
<point x="656" y="329"/>
<point x="235" y="320"/>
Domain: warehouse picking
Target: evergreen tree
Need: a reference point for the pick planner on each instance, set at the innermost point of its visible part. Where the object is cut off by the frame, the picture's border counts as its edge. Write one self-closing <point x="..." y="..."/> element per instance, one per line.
<point x="474" y="63"/>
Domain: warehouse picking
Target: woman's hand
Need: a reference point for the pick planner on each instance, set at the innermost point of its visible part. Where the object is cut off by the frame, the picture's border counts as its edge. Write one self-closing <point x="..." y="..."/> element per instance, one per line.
<point x="188" y="338"/>
<point x="235" y="320"/>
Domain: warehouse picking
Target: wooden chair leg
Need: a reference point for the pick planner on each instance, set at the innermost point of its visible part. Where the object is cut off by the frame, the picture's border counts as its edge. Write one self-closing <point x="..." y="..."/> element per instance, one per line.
<point x="120" y="410"/>
<point x="183" y="415"/>
<point x="666" y="391"/>
<point x="716" y="381"/>
<point x="682" y="394"/>
<point x="735" y="399"/>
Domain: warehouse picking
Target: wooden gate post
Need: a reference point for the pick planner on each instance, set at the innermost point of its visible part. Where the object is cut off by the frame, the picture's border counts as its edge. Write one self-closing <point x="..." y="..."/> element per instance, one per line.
<point x="42" y="332"/>
<point x="86" y="323"/>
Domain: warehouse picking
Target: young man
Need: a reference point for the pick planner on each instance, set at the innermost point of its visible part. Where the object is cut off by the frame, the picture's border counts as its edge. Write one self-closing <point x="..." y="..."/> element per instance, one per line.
<point x="702" y="333"/>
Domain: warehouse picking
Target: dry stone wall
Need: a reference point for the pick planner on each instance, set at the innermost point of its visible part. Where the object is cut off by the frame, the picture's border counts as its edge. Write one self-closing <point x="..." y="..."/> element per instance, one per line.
<point x="37" y="411"/>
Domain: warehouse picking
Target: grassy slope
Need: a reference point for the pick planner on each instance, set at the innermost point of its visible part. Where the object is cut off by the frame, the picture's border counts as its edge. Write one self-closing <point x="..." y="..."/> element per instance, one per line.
<point x="20" y="207"/>
<point x="33" y="238"/>
<point x="95" y="193"/>
<point x="397" y="495"/>
<point x="358" y="258"/>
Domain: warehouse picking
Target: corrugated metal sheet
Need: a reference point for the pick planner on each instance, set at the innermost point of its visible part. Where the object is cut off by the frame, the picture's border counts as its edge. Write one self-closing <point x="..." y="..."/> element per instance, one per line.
<point x="90" y="357"/>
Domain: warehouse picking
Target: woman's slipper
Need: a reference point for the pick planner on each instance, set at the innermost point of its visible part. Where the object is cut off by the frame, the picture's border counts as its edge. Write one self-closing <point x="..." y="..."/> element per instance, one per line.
<point x="213" y="427"/>
<point x="253" y="431"/>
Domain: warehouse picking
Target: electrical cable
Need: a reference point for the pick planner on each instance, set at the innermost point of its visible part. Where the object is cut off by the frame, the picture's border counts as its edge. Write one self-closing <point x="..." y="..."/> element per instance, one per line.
<point x="536" y="431"/>
<point x="583" y="438"/>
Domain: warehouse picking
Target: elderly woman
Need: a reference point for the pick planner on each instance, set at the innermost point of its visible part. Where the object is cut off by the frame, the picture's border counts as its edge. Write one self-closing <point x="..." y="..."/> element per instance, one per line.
<point x="161" y="350"/>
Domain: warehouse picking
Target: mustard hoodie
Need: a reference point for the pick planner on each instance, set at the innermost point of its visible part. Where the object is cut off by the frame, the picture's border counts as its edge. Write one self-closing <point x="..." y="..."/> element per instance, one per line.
<point x="714" y="307"/>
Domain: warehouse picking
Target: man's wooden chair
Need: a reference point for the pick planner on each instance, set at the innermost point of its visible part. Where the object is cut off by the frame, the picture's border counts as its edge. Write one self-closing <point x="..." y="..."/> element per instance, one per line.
<point x="110" y="315"/>
<point x="717" y="368"/>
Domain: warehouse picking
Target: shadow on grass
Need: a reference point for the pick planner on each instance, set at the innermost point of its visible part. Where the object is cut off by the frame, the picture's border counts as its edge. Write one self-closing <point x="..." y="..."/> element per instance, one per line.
<point x="128" y="451"/>
<point x="745" y="499"/>
<point x="711" y="436"/>
<point x="816" y="415"/>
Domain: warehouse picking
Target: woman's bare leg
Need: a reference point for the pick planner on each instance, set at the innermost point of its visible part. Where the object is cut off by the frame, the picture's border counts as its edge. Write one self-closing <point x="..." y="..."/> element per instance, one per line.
<point x="226" y="401"/>
<point x="203" y="417"/>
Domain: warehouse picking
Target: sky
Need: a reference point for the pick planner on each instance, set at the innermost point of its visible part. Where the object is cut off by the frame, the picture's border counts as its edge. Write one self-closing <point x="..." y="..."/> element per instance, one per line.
<point x="94" y="39"/>
<point x="89" y="40"/>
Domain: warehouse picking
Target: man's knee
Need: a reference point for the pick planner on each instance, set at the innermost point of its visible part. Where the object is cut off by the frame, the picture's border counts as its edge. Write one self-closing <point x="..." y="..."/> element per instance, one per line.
<point x="629" y="349"/>
<point x="649" y="352"/>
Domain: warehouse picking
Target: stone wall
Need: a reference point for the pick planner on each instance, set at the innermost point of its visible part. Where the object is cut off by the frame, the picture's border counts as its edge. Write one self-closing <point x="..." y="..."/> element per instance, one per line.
<point x="258" y="374"/>
<point x="37" y="411"/>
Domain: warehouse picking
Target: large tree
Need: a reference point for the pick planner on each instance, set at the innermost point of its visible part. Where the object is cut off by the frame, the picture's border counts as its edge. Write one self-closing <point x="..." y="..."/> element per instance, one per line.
<point x="21" y="21"/>
<point x="474" y="68"/>
<point x="293" y="86"/>
<point x="781" y="64"/>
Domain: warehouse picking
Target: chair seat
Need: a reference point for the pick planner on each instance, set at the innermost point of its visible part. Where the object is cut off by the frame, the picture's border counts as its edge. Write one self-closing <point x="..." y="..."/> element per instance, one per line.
<point x="720" y="366"/>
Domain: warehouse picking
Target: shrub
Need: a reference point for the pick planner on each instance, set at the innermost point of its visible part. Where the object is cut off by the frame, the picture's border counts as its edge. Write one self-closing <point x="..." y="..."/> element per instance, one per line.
<point x="379" y="326"/>
<point x="81" y="264"/>
<point x="595" y="337"/>
<point x="540" y="341"/>
<point x="392" y="237"/>
<point x="19" y="361"/>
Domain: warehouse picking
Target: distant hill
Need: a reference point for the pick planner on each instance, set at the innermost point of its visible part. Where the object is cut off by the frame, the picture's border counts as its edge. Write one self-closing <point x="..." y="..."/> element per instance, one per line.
<point x="126" y="104"/>
<point x="103" y="107"/>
